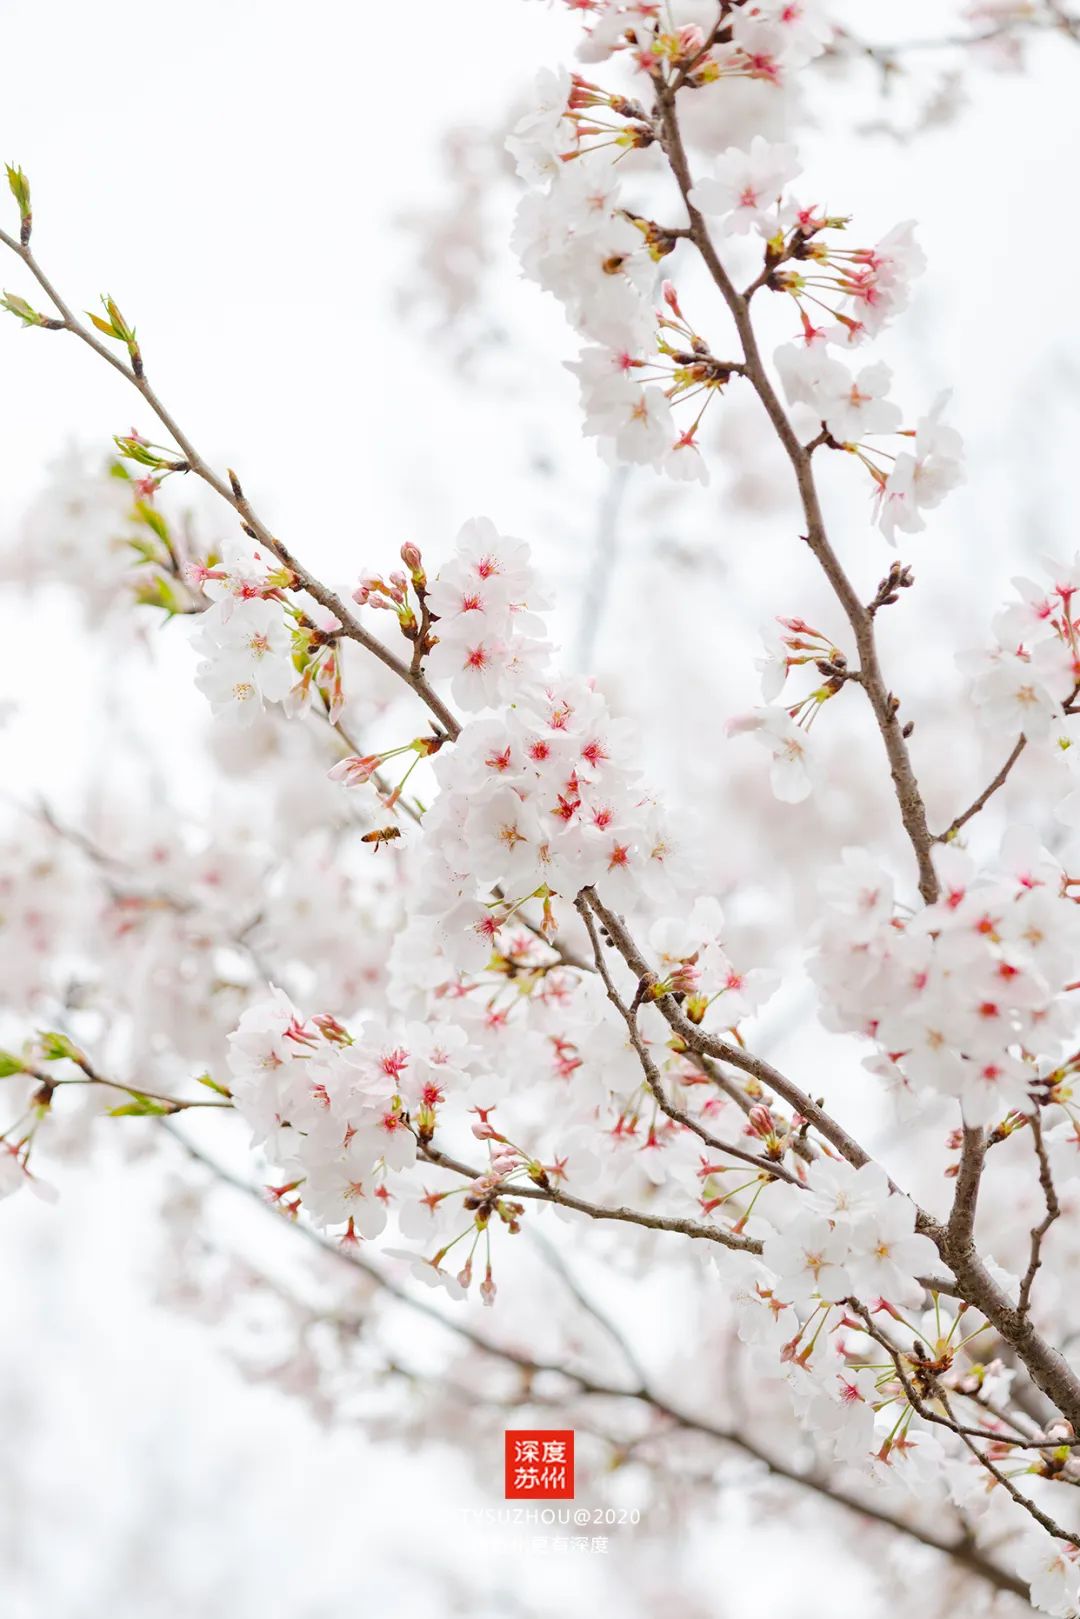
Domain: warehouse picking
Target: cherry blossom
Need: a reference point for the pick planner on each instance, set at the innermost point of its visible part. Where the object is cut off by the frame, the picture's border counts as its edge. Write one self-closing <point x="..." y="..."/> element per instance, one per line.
<point x="450" y="952"/>
<point x="792" y="769"/>
<point x="744" y="187"/>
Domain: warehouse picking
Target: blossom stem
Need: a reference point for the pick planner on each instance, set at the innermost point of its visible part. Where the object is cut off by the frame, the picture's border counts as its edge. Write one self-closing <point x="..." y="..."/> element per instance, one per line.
<point x="231" y="492"/>
<point x="870" y="677"/>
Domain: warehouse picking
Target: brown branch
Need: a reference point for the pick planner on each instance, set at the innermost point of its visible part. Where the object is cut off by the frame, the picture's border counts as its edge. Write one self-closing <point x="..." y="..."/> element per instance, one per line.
<point x="1048" y="1368"/>
<point x="987" y="793"/>
<point x="653" y="1078"/>
<point x="737" y="1093"/>
<point x="999" y="780"/>
<point x="167" y="1104"/>
<point x="919" y="1406"/>
<point x="564" y="1200"/>
<point x="961" y="1550"/>
<point x="961" y="1224"/>
<point x="887" y="56"/>
<point x="1042" y="1518"/>
<point x="534" y="1191"/>
<point x="1053" y="1212"/>
<point x="697" y="1039"/>
<point x="230" y="491"/>
<point x="869" y="675"/>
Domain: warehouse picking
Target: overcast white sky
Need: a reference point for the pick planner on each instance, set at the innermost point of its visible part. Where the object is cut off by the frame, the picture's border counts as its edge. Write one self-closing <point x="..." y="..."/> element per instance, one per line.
<point x="231" y="173"/>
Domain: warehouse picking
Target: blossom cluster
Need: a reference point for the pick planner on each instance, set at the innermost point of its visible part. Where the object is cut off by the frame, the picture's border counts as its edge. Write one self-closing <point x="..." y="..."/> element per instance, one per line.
<point x="578" y="239"/>
<point x="328" y="1107"/>
<point x="762" y="39"/>
<point x="968" y="998"/>
<point x="540" y="795"/>
<point x="1022" y="683"/>
<point x="541" y="798"/>
<point x="490" y="637"/>
<point x="846" y="1234"/>
<point x="261" y="645"/>
<point x="844" y="296"/>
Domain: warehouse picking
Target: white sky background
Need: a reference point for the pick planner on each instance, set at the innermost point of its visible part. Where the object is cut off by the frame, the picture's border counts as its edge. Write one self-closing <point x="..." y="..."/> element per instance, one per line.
<point x="231" y="174"/>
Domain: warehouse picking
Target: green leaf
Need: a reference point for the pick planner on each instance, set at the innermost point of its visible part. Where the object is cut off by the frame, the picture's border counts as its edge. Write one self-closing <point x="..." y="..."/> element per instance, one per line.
<point x="159" y="592"/>
<point x="20" y="188"/>
<point x="117" y="326"/>
<point x="140" y="1107"/>
<point x="212" y="1085"/>
<point x="132" y="450"/>
<point x="55" y="1047"/>
<point x="19" y="306"/>
<point x="10" y="1065"/>
<point x="153" y="520"/>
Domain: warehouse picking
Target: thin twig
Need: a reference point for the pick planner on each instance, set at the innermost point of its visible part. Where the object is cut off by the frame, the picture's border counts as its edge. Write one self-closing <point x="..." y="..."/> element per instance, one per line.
<point x="697" y="1039"/>
<point x="999" y="780"/>
<point x="595" y="1211"/>
<point x="987" y="793"/>
<point x="960" y="1228"/>
<point x="948" y="1421"/>
<point x="653" y="1078"/>
<point x="1053" y="1212"/>
<point x="961" y="1550"/>
<point x="230" y="491"/>
<point x="884" y="705"/>
<point x="554" y="1259"/>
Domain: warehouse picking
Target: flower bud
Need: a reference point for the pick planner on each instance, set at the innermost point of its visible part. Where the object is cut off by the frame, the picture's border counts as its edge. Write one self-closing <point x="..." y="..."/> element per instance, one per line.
<point x="355" y="771"/>
<point x="410" y="555"/>
<point x="761" y="1120"/>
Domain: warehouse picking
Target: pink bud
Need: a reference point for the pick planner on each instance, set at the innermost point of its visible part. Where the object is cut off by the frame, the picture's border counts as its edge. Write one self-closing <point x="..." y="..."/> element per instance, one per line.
<point x="330" y="1028"/>
<point x="685" y="977"/>
<point x="761" y="1120"/>
<point x="356" y="772"/>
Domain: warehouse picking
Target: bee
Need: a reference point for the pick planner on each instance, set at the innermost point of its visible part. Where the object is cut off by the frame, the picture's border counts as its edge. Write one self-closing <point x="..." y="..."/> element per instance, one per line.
<point x="385" y="834"/>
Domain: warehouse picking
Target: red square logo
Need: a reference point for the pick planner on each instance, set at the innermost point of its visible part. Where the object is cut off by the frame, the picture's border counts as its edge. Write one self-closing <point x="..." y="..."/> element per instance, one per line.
<point x="540" y="1464"/>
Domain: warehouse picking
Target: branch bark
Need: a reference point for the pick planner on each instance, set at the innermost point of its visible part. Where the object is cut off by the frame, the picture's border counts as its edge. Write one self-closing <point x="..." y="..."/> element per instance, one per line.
<point x="861" y="620"/>
<point x="653" y="1077"/>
